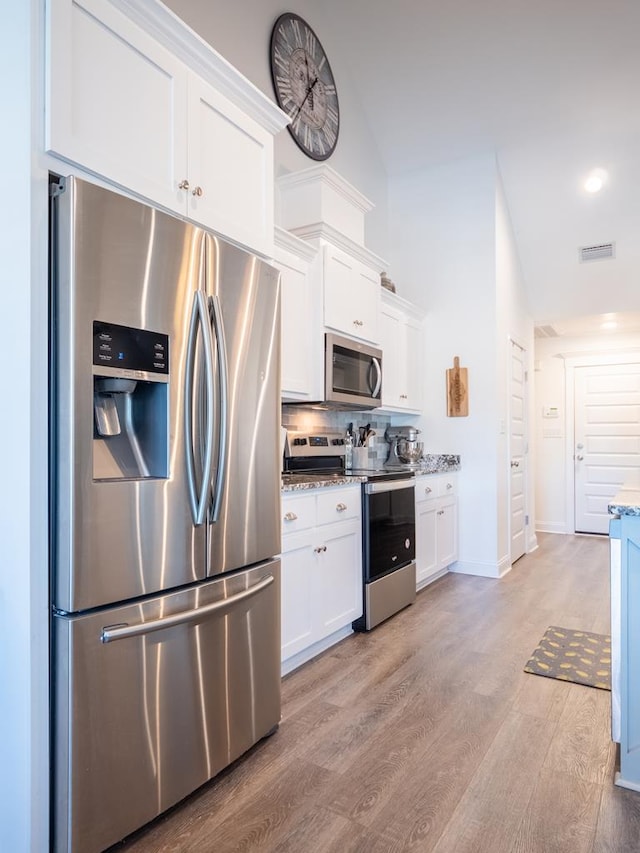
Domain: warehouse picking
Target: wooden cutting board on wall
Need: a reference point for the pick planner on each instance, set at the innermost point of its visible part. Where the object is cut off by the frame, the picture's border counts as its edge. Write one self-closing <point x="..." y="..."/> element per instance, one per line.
<point x="457" y="391"/>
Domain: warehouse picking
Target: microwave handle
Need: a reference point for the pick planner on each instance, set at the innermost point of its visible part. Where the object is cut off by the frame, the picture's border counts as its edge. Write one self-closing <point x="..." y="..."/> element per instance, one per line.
<point x="375" y="363"/>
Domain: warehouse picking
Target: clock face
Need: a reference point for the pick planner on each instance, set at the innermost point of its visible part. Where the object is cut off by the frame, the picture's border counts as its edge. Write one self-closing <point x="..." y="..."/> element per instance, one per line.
<point x="304" y="86"/>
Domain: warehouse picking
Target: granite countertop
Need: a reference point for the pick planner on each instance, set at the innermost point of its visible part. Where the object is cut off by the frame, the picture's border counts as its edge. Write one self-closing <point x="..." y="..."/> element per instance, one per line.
<point x="432" y="463"/>
<point x="626" y="502"/>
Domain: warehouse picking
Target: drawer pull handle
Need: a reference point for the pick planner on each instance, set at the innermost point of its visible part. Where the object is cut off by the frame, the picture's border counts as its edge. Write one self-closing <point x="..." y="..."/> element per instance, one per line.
<point x="341" y="507"/>
<point x="320" y="549"/>
<point x="427" y="491"/>
<point x="290" y="516"/>
<point x="449" y="486"/>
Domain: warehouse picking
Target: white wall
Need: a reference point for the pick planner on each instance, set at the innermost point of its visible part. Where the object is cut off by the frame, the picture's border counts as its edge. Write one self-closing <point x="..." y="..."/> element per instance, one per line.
<point x="551" y="456"/>
<point x="24" y="770"/>
<point x="454" y="252"/>
<point x="241" y="32"/>
<point x="442" y="233"/>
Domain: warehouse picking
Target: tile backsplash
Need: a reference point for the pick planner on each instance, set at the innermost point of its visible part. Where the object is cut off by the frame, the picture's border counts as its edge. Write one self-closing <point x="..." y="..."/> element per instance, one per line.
<point x="318" y="420"/>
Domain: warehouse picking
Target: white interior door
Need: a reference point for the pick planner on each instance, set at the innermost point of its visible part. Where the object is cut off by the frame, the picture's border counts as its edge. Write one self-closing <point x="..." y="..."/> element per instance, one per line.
<point x="517" y="449"/>
<point x="607" y="440"/>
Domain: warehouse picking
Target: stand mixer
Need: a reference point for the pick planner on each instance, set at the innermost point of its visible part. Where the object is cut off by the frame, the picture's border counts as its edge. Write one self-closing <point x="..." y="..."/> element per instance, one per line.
<point x="405" y="450"/>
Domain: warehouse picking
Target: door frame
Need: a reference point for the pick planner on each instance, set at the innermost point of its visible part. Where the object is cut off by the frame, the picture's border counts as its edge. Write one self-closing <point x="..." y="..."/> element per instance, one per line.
<point x="571" y="361"/>
<point x="528" y="545"/>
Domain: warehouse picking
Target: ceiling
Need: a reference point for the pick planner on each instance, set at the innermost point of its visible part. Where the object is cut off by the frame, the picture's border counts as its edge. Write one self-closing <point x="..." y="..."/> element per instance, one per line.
<point x="552" y="88"/>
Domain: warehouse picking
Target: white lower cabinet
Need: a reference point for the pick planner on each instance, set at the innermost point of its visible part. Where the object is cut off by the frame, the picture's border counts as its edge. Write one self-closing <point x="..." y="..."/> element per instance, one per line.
<point x="436" y="526"/>
<point x="321" y="570"/>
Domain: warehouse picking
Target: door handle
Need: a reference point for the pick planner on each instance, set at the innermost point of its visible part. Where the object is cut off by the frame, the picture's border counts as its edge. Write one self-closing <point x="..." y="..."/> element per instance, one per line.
<point x="122" y="632"/>
<point x="579" y="457"/>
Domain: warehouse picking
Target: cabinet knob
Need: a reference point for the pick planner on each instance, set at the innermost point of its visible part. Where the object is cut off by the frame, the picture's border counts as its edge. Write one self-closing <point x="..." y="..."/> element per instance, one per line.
<point x="290" y="516"/>
<point x="427" y="491"/>
<point x="449" y="486"/>
<point x="358" y="323"/>
<point x="341" y="507"/>
<point x="197" y="191"/>
<point x="183" y="185"/>
<point x="320" y="549"/>
<point x="440" y="512"/>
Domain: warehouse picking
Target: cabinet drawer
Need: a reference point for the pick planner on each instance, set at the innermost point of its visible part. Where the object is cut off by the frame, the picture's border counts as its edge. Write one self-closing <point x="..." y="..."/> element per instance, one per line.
<point x="447" y="485"/>
<point x="338" y="504"/>
<point x="426" y="489"/>
<point x="298" y="513"/>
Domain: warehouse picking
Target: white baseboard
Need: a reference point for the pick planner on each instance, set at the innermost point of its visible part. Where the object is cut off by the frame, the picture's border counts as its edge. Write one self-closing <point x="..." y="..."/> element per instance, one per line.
<point x="431" y="579"/>
<point x="483" y="570"/>
<point x="532" y="543"/>
<point x="551" y="527"/>
<point x="321" y="646"/>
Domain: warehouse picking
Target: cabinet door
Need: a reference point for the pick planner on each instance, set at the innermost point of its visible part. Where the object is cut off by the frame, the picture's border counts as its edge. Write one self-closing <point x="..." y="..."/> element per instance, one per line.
<point x="339" y="576"/>
<point x="351" y="296"/>
<point x="299" y="564"/>
<point x="116" y="101"/>
<point x="392" y="369"/>
<point x="427" y="562"/>
<point x="447" y="532"/>
<point x="230" y="169"/>
<point x="296" y="330"/>
<point x="413" y="365"/>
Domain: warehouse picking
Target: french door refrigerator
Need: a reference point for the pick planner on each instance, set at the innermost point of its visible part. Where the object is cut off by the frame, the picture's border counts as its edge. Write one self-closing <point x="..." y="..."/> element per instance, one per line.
<point x="165" y="486"/>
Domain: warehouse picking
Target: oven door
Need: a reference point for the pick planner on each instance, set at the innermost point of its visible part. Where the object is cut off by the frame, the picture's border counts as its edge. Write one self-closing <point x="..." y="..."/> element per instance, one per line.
<point x="389" y="527"/>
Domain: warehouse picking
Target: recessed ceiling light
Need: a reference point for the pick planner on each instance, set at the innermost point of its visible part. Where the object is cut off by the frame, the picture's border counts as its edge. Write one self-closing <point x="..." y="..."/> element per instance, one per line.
<point x="609" y="324"/>
<point x="595" y="181"/>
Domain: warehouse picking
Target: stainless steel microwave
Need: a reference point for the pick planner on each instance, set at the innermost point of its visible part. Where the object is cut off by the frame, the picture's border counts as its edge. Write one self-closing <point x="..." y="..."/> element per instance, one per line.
<point x="353" y="373"/>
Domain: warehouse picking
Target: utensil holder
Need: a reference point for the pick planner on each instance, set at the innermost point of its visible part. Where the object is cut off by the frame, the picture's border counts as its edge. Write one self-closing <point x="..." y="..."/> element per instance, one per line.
<point x="360" y="457"/>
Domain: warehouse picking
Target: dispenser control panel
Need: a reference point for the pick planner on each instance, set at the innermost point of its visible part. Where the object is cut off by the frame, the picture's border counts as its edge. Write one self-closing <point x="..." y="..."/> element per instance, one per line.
<point x="129" y="349"/>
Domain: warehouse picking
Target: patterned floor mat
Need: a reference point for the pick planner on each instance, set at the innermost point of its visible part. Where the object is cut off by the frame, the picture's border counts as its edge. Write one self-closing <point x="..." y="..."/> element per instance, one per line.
<point x="577" y="656"/>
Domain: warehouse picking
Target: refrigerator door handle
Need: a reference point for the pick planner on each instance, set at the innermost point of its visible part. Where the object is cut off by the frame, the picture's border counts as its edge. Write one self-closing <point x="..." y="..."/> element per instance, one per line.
<point x="221" y="348"/>
<point x="122" y="632"/>
<point x="199" y="318"/>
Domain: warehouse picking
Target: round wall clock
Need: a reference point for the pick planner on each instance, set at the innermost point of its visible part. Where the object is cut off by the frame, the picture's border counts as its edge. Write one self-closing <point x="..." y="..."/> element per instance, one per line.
<point x="304" y="86"/>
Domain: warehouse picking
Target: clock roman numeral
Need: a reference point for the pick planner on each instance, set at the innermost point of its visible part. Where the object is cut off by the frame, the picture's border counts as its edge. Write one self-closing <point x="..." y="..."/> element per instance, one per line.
<point x="332" y="116"/>
<point x="329" y="135"/>
<point x="281" y="61"/>
<point x="320" y="144"/>
<point x="297" y="35"/>
<point x="310" y="43"/>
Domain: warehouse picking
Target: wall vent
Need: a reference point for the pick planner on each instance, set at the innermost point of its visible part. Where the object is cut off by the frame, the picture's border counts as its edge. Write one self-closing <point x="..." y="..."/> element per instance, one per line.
<point x="545" y="332"/>
<point x="597" y="253"/>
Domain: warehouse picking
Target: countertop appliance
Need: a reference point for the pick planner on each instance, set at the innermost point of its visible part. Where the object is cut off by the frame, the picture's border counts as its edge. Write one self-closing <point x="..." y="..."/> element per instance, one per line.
<point x="165" y="593"/>
<point x="404" y="447"/>
<point x="388" y="520"/>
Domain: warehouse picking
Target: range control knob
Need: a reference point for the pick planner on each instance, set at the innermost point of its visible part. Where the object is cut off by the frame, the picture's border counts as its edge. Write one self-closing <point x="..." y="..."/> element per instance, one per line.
<point x="299" y="441"/>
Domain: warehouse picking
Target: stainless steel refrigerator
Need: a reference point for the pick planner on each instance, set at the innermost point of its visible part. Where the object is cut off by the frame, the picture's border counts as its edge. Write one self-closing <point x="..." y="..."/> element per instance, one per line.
<point x="165" y="488"/>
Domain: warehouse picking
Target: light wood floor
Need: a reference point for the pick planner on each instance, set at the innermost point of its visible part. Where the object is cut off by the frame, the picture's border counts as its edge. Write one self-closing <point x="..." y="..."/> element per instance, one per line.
<point x="426" y="735"/>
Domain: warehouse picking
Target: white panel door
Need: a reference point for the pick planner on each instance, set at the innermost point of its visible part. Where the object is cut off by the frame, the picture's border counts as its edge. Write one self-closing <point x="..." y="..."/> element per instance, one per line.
<point x="517" y="450"/>
<point x="607" y="440"/>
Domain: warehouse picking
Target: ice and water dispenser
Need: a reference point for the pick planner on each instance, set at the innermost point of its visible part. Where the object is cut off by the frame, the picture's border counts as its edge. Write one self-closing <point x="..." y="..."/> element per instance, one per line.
<point x="130" y="387"/>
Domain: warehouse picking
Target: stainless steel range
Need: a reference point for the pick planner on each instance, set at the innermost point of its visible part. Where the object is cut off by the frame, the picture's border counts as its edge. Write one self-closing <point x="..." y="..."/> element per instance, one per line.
<point x="388" y="520"/>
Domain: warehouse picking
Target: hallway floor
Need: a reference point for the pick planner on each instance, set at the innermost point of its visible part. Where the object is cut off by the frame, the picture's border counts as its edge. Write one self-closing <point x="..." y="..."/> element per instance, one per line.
<point x="426" y="734"/>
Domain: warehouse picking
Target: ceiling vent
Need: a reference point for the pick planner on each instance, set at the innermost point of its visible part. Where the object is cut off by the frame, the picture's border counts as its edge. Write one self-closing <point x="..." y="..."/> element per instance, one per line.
<point x="545" y="332"/>
<point x="597" y="253"/>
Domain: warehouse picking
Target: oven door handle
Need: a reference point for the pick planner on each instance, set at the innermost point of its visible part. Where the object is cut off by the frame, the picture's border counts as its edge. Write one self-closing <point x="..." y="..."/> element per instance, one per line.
<point x="389" y="485"/>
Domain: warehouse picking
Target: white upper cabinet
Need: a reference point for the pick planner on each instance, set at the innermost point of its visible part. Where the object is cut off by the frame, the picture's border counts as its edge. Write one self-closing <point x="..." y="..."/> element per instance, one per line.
<point x="293" y="258"/>
<point x="128" y="106"/>
<point x="351" y="296"/>
<point x="401" y="332"/>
